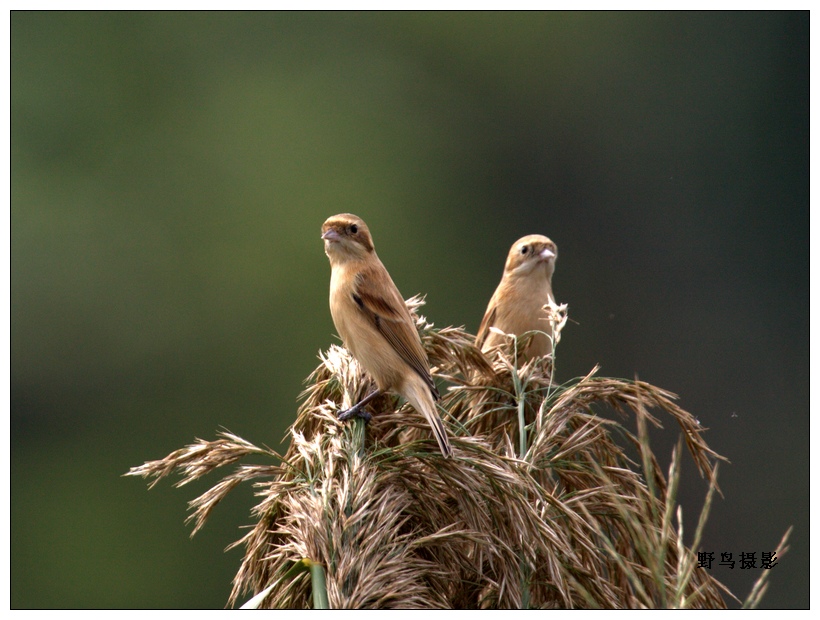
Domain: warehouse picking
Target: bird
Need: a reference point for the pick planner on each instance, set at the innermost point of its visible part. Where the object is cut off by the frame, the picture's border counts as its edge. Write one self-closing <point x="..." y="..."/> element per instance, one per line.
<point x="517" y="306"/>
<point x="375" y="325"/>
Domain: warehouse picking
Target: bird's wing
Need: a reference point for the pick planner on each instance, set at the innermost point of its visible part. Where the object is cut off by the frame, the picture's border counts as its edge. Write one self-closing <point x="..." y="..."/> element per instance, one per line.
<point x="486" y="323"/>
<point x="379" y="299"/>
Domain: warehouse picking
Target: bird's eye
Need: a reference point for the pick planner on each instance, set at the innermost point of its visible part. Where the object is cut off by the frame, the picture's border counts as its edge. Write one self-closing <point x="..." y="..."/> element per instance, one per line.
<point x="354" y="229"/>
<point x="525" y="249"/>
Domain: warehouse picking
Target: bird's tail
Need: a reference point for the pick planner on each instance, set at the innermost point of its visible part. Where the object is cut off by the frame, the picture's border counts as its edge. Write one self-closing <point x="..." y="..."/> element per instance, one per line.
<point x="418" y="394"/>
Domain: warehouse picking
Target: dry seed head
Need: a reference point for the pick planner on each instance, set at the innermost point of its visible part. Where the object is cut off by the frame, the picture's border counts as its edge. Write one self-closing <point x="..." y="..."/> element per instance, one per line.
<point x="571" y="522"/>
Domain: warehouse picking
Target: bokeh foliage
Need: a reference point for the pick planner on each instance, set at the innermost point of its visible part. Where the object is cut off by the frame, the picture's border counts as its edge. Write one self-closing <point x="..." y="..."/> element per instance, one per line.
<point x="170" y="172"/>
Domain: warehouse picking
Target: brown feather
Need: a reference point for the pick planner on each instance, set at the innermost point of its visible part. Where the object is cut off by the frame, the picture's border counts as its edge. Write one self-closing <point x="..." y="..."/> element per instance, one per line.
<point x="486" y="323"/>
<point x="391" y="318"/>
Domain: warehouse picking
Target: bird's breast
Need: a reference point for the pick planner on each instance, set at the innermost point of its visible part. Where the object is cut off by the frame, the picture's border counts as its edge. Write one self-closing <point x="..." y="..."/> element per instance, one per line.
<point x="342" y="306"/>
<point x="519" y="309"/>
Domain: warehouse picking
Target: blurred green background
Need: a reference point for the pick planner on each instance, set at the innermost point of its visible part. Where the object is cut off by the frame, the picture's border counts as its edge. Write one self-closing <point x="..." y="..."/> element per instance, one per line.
<point x="169" y="176"/>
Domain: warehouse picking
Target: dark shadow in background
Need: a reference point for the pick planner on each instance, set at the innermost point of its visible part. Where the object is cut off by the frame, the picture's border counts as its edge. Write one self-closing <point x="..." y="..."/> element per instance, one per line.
<point x="170" y="172"/>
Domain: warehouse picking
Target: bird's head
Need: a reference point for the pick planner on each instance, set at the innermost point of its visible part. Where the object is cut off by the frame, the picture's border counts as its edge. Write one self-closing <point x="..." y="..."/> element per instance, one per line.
<point x="531" y="254"/>
<point x="346" y="237"/>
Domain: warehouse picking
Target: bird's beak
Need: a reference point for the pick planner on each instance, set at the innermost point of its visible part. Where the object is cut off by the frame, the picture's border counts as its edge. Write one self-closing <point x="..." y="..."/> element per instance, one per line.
<point x="547" y="254"/>
<point x="330" y="235"/>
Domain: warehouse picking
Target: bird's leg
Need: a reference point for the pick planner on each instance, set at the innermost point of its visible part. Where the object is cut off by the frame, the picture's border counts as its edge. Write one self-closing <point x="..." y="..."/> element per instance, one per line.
<point x="358" y="408"/>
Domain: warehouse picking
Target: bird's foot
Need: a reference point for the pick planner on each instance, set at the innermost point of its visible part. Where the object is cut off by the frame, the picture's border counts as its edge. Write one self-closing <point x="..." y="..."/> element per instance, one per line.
<point x="355" y="410"/>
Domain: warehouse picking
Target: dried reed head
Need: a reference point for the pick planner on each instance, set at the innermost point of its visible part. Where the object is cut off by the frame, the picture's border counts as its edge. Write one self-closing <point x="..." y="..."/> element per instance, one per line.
<point x="539" y="506"/>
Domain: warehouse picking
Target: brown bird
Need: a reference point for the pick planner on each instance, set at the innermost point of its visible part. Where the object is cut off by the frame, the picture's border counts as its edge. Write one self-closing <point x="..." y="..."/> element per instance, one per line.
<point x="517" y="306"/>
<point x="375" y="325"/>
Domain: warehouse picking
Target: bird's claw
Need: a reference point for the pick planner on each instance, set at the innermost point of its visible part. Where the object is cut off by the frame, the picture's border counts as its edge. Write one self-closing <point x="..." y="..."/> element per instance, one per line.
<point x="355" y="410"/>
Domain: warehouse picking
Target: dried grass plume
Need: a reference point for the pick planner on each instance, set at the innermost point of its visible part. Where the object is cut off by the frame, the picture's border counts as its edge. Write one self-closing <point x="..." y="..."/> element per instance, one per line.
<point x="539" y="506"/>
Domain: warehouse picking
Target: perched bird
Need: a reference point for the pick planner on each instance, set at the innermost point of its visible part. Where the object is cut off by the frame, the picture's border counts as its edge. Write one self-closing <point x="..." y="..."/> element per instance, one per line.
<point x="371" y="317"/>
<point x="517" y="306"/>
